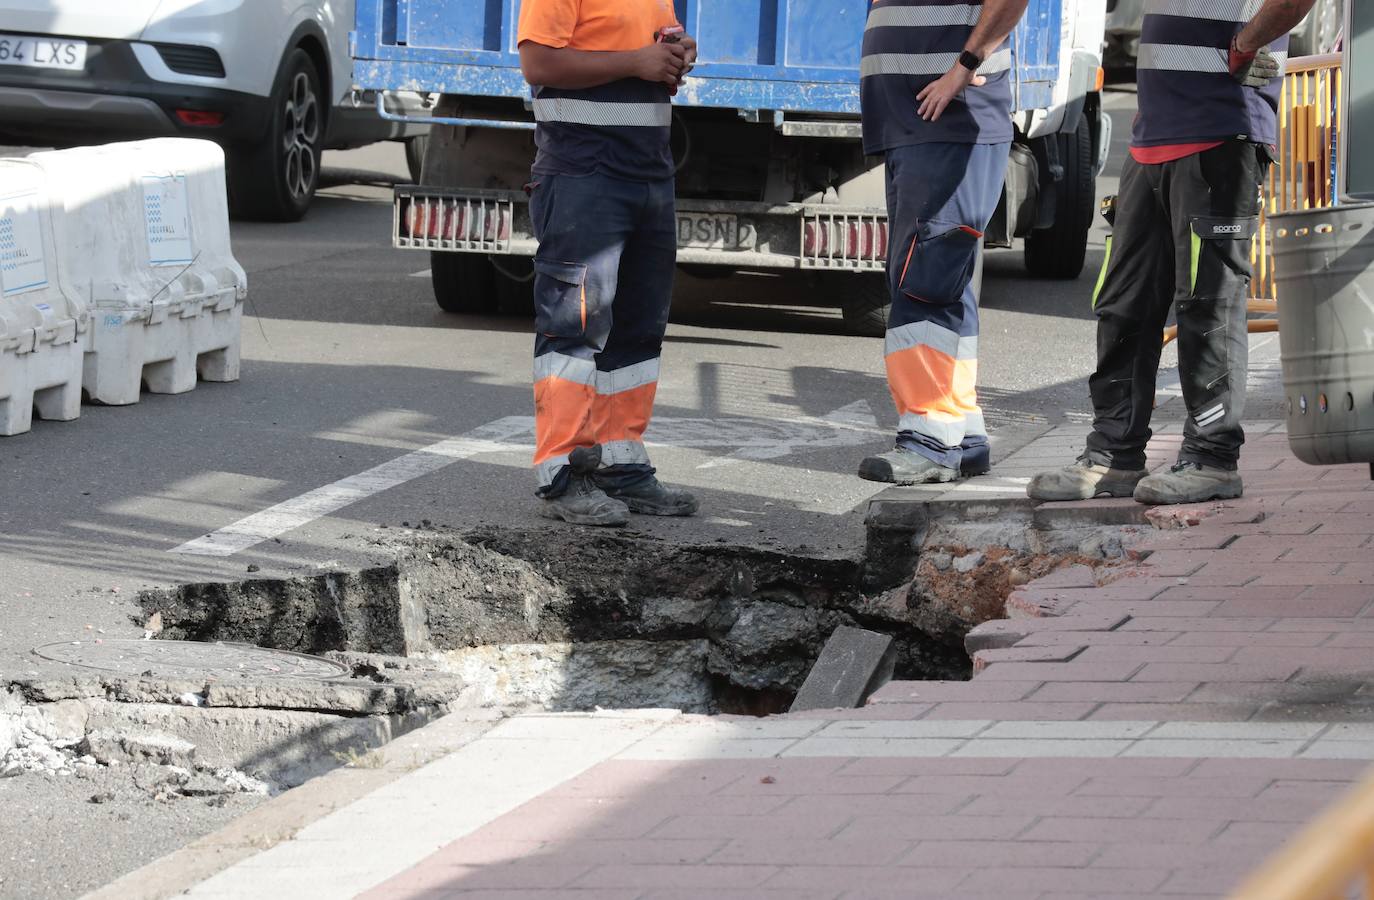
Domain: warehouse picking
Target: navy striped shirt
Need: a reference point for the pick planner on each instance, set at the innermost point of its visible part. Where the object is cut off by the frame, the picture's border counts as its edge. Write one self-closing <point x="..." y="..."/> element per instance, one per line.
<point x="907" y="45"/>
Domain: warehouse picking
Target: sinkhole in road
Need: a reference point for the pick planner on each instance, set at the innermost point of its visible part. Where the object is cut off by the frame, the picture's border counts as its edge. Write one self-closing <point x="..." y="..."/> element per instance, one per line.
<point x="568" y="620"/>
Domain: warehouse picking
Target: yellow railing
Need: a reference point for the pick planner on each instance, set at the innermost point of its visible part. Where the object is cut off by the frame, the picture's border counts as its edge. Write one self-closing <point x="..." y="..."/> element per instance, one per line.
<point x="1309" y="121"/>
<point x="1332" y="859"/>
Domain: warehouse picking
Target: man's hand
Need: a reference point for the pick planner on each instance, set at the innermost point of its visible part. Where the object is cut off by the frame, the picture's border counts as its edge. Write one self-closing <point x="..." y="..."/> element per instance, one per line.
<point x="665" y="63"/>
<point x="689" y="43"/>
<point x="939" y="93"/>
<point x="1252" y="68"/>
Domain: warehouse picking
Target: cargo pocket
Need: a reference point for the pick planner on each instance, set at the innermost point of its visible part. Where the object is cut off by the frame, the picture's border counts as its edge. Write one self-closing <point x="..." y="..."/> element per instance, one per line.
<point x="1220" y="255"/>
<point x="939" y="265"/>
<point x="560" y="298"/>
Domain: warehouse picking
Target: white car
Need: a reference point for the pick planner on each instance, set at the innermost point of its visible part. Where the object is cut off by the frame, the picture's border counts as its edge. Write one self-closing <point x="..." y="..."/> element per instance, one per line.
<point x="270" y="80"/>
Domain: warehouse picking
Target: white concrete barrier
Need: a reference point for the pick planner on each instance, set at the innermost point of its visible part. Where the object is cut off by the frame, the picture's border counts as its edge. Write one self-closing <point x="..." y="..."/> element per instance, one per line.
<point x="142" y="230"/>
<point x="43" y="330"/>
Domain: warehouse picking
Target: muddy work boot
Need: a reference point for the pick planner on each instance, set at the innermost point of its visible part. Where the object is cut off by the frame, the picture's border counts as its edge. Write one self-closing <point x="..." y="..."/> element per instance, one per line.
<point x="1188" y="482"/>
<point x="583" y="503"/>
<point x="650" y="498"/>
<point x="905" y="467"/>
<point x="1084" y="480"/>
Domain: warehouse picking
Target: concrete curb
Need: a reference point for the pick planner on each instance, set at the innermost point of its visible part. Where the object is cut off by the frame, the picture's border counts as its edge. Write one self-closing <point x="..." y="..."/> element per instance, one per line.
<point x="281" y="818"/>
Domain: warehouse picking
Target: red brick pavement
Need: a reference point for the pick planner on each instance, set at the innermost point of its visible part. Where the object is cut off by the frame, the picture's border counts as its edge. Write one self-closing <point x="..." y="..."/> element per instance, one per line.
<point x="1262" y="612"/>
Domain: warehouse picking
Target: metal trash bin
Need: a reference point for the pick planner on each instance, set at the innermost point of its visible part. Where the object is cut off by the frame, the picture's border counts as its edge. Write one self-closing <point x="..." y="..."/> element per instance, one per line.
<point x="1324" y="270"/>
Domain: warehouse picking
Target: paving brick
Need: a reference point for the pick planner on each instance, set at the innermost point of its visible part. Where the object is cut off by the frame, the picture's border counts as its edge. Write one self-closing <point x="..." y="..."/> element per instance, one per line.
<point x="1343" y="639"/>
<point x="1058" y="730"/>
<point x="1045" y="747"/>
<point x="661" y="876"/>
<point x="1154" y="786"/>
<point x="1214" y="879"/>
<point x="1268" y="671"/>
<point x="843" y="747"/>
<point x="1352" y="661"/>
<point x="976" y="854"/>
<point x="1022" y="710"/>
<point x="832" y="807"/>
<point x="924" y="828"/>
<point x="1102" y="768"/>
<point x="470" y="851"/>
<point x="1070" y="671"/>
<point x="1157" y="654"/>
<point x="1100" y="639"/>
<point x="1159" y="831"/>
<point x="1062" y="653"/>
<point x="1203" y="712"/>
<point x="1157" y="607"/>
<point x="757" y="893"/>
<point x="1266" y="834"/>
<point x="1311" y="693"/>
<point x="1178" y="562"/>
<point x="1115" y="691"/>
<point x="843" y="782"/>
<point x="908" y="767"/>
<point x="1051" y="879"/>
<point x="1151" y="855"/>
<point x="860" y="881"/>
<point x="941" y="691"/>
<point x="1248" y="809"/>
<point x="710" y="824"/>
<point x="776" y="849"/>
<point x="550" y="819"/>
<point x="1309" y="607"/>
<point x="1257" y="639"/>
<point x="872" y="711"/>
<point x="1053" y="784"/>
<point x="1285" y="769"/>
<point x="1072" y="806"/>
<point x="1150" y="623"/>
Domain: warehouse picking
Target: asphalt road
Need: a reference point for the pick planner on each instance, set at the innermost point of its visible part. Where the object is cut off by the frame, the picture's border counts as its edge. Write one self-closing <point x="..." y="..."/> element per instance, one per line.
<point x="765" y="407"/>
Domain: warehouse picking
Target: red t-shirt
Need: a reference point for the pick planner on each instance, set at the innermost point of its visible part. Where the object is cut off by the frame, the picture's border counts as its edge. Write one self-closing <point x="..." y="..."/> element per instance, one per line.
<point x="1153" y="156"/>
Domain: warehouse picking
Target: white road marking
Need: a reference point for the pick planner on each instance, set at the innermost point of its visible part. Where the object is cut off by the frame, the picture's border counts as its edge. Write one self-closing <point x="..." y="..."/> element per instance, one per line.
<point x="331" y="498"/>
<point x="753" y="439"/>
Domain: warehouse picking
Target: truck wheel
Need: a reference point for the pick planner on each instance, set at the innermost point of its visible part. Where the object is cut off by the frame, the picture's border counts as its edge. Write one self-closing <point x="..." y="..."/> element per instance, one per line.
<point x="1059" y="251"/>
<point x="275" y="178"/>
<point x="866" y="302"/>
<point x="514" y="285"/>
<point x="464" y="283"/>
<point x="415" y="155"/>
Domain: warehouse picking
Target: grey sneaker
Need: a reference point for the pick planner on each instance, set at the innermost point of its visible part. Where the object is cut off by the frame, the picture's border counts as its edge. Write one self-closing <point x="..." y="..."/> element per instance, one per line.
<point x="1188" y="482"/>
<point x="651" y="498"/>
<point x="1084" y="480"/>
<point x="905" y="467"/>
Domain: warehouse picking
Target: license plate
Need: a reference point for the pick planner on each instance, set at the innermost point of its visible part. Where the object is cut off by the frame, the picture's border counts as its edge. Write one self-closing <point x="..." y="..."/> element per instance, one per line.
<point x="42" y="53"/>
<point x="714" y="231"/>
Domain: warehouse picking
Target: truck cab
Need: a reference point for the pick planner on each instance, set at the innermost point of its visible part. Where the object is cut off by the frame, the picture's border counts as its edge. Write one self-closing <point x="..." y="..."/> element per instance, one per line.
<point x="771" y="173"/>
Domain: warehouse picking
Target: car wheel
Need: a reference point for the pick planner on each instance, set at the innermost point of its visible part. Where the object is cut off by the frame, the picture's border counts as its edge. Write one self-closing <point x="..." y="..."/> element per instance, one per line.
<point x="464" y="283"/>
<point x="276" y="179"/>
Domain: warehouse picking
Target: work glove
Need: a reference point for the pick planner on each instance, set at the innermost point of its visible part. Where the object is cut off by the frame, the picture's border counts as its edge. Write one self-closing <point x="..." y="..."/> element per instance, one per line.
<point x="1255" y="69"/>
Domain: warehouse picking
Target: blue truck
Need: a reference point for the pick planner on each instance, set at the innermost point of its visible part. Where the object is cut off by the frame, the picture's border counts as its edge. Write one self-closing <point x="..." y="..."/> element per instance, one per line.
<point x="771" y="173"/>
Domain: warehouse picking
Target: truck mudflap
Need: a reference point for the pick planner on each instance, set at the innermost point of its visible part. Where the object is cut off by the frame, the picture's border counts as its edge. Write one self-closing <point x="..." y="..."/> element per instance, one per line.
<point x="724" y="233"/>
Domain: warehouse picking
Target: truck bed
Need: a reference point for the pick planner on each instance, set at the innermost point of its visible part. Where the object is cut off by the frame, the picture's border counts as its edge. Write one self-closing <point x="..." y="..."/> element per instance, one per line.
<point x="784" y="56"/>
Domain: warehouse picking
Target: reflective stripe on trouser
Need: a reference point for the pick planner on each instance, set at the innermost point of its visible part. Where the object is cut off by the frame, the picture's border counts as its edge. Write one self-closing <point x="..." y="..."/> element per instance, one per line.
<point x="603" y="282"/>
<point x="932" y="339"/>
<point x="1182" y="237"/>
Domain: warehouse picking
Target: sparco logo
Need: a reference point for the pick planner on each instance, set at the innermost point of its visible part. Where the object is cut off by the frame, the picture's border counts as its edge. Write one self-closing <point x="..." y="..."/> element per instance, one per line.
<point x="1226" y="229"/>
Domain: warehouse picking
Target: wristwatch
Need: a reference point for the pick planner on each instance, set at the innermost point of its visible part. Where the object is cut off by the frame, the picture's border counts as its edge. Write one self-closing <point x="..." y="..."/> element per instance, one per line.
<point x="970" y="60"/>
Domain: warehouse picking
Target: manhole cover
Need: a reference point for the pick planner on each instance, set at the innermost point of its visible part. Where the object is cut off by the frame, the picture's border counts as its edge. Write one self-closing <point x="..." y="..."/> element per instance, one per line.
<point x="182" y="659"/>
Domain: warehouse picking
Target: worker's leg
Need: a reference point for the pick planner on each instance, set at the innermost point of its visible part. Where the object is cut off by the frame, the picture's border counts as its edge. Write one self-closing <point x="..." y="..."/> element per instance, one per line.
<point x="627" y="367"/>
<point x="1132" y="306"/>
<point x="582" y="225"/>
<point x="940" y="198"/>
<point x="1214" y="208"/>
<point x="1131" y="301"/>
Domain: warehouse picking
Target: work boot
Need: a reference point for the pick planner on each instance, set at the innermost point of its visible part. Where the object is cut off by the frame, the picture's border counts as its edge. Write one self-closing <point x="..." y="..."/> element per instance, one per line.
<point x="583" y="503"/>
<point x="1084" y="480"/>
<point x="1188" y="482"/>
<point x="905" y="467"/>
<point x="649" y="497"/>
